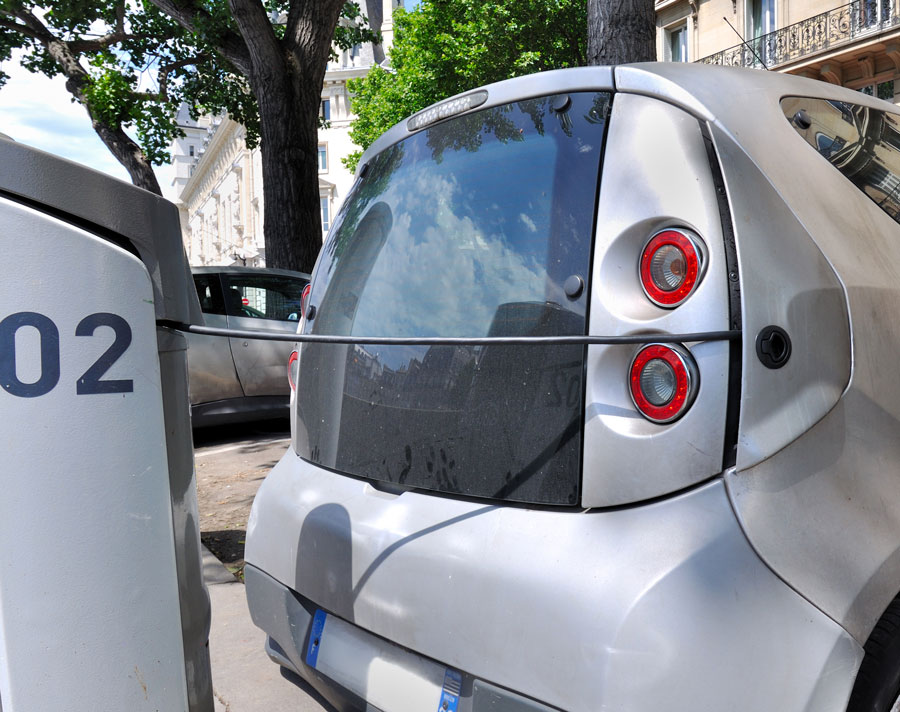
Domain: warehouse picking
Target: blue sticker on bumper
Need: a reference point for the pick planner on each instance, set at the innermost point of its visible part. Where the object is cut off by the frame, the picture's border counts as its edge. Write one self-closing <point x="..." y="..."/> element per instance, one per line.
<point x="315" y="638"/>
<point x="450" y="692"/>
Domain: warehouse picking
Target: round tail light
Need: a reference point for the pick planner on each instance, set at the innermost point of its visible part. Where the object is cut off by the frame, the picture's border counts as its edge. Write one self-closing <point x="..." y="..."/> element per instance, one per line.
<point x="663" y="381"/>
<point x="293" y="369"/>
<point x="671" y="267"/>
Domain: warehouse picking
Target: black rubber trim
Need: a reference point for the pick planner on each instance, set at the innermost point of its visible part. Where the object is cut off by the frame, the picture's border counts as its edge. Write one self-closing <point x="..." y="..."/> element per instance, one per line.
<point x="86" y="225"/>
<point x="877" y="684"/>
<point x="735" y="353"/>
<point x="588" y="289"/>
<point x="451" y="340"/>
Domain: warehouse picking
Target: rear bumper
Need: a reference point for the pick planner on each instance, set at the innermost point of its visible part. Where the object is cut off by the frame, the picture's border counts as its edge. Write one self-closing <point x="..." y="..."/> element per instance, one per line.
<point x="663" y="606"/>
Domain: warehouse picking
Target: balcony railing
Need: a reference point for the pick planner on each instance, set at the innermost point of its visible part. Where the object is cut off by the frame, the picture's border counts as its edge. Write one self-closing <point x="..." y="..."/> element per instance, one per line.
<point x="815" y="34"/>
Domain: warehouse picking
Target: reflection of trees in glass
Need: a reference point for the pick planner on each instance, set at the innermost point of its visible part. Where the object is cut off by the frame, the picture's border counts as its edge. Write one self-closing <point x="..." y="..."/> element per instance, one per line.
<point x="600" y="109"/>
<point x="371" y="186"/>
<point x="466" y="133"/>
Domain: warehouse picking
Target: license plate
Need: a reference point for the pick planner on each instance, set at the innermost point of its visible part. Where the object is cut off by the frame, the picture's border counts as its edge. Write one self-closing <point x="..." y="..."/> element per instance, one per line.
<point x="387" y="676"/>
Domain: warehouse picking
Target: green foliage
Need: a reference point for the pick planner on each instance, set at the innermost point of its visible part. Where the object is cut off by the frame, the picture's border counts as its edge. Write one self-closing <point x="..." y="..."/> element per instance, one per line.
<point x="450" y="46"/>
<point x="120" y="82"/>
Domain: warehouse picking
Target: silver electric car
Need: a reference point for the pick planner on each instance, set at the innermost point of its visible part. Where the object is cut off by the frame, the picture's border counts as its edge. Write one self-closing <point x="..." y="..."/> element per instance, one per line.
<point x="614" y="421"/>
<point x="242" y="379"/>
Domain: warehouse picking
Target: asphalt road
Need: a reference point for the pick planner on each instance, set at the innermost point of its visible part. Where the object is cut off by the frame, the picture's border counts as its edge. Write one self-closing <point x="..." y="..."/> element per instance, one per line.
<point x="231" y="463"/>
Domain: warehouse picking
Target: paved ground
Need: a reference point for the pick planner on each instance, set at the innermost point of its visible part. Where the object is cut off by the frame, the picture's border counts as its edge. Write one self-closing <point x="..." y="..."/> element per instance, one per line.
<point x="231" y="463"/>
<point x="244" y="679"/>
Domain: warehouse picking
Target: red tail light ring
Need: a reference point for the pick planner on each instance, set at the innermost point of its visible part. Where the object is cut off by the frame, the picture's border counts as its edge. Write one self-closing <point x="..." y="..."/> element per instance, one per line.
<point x="672" y="266"/>
<point x="292" y="366"/>
<point x="663" y="381"/>
<point x="304" y="299"/>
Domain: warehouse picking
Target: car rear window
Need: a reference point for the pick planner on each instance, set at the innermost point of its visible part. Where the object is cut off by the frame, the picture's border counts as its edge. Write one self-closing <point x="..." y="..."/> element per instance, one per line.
<point x="263" y="296"/>
<point x="861" y="142"/>
<point x="468" y="229"/>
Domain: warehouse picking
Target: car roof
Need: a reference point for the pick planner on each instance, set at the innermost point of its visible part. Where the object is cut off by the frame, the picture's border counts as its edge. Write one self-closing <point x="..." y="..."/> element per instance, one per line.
<point x="236" y="269"/>
<point x="706" y="91"/>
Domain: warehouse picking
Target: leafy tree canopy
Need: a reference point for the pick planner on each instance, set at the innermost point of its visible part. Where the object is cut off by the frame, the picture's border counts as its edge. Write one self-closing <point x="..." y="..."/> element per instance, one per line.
<point x="450" y="46"/>
<point x="132" y="65"/>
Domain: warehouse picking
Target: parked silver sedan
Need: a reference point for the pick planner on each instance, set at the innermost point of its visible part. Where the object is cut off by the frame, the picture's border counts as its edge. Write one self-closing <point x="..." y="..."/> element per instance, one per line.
<point x="242" y="379"/>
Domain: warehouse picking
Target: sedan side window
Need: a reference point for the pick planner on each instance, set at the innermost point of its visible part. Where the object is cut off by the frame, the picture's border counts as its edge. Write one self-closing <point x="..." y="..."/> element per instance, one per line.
<point x="263" y="296"/>
<point x="209" y="292"/>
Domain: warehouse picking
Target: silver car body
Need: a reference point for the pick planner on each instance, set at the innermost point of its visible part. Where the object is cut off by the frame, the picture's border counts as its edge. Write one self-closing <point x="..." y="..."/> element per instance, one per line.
<point x="239" y="379"/>
<point x="728" y="560"/>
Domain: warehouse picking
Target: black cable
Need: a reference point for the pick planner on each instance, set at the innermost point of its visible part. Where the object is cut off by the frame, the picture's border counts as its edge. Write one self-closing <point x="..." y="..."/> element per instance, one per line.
<point x="451" y="340"/>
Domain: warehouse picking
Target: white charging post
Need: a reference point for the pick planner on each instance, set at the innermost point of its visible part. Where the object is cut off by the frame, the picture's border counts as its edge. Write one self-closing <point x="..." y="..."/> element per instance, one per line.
<point x="102" y="605"/>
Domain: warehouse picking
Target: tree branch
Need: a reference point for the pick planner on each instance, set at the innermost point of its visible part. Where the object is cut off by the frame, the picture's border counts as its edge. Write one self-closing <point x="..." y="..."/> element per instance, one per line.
<point x="304" y="18"/>
<point x="189" y="15"/>
<point x="166" y="69"/>
<point x="258" y="34"/>
<point x="14" y="26"/>
<point x="120" y="18"/>
<point x="101" y="43"/>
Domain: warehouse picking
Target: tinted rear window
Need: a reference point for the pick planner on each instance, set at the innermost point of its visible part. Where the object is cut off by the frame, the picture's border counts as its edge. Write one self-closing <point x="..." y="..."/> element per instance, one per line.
<point x="470" y="228"/>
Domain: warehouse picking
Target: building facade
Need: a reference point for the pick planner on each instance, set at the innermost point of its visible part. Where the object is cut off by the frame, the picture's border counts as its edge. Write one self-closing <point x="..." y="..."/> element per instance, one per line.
<point x="218" y="179"/>
<point x="854" y="44"/>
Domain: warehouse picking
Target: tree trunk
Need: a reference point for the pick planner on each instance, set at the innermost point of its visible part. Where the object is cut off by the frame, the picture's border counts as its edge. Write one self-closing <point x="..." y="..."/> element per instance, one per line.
<point x="286" y="78"/>
<point x="621" y="31"/>
<point x="129" y="154"/>
<point x="288" y="140"/>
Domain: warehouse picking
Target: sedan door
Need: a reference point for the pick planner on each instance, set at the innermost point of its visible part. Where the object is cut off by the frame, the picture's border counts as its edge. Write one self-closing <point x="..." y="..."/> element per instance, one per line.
<point x="212" y="370"/>
<point x="262" y="301"/>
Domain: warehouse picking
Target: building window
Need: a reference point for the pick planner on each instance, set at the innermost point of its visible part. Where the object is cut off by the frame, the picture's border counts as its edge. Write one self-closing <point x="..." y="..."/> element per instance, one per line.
<point x="354" y="51"/>
<point x="326" y="222"/>
<point x="323" y="158"/>
<point x="191" y="151"/>
<point x="882" y="90"/>
<point x="760" y="23"/>
<point x="677" y="44"/>
<point x="760" y="18"/>
<point x="325" y="109"/>
<point x="872" y="13"/>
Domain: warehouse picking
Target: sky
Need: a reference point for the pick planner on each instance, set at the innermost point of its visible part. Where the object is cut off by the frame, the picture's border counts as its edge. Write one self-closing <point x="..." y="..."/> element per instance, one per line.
<point x="38" y="111"/>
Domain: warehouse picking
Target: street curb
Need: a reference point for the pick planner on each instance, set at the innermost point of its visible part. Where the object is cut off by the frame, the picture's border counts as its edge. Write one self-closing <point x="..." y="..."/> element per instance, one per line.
<point x="214" y="571"/>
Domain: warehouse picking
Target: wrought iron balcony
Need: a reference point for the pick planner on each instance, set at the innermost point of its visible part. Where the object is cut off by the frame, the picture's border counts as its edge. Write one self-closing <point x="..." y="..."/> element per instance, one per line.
<point x="826" y="31"/>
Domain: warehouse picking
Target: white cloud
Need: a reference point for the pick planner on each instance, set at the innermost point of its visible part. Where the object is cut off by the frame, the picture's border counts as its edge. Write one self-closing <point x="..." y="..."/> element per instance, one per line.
<point x="528" y="222"/>
<point x="39" y="112"/>
<point x="458" y="273"/>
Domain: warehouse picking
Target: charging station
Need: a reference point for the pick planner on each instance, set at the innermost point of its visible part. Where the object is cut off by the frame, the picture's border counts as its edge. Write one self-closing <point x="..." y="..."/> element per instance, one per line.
<point x="102" y="603"/>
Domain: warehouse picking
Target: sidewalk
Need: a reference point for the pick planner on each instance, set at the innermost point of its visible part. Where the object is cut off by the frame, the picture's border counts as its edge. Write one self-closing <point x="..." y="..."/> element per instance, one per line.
<point x="244" y="679"/>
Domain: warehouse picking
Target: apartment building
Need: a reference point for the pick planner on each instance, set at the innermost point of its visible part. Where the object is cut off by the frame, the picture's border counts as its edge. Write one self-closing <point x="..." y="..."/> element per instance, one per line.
<point x="854" y="44"/>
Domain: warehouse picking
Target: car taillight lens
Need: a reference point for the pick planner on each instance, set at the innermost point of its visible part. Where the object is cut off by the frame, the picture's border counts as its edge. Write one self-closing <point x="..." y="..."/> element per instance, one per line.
<point x="304" y="299"/>
<point x="671" y="267"/>
<point x="664" y="380"/>
<point x="293" y="369"/>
